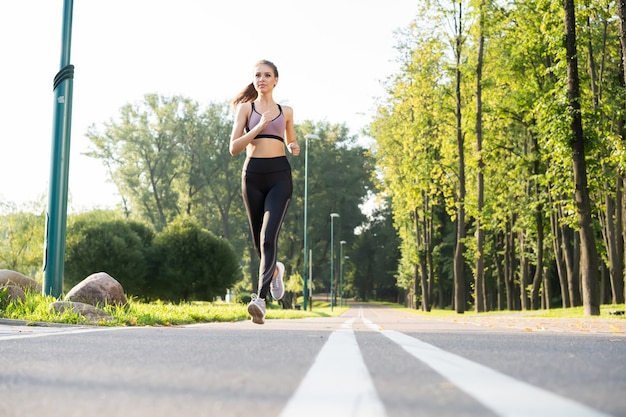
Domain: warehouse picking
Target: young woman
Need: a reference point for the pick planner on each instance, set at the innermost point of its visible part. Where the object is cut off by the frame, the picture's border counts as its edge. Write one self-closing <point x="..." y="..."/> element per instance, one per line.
<point x="264" y="129"/>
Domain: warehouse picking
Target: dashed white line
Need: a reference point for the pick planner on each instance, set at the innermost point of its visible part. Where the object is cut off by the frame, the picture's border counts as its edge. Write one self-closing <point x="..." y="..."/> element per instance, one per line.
<point x="55" y="332"/>
<point x="338" y="383"/>
<point x="503" y="394"/>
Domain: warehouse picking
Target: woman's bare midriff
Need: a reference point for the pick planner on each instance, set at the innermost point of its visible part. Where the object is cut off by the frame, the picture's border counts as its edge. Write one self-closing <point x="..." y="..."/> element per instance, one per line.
<point x="265" y="148"/>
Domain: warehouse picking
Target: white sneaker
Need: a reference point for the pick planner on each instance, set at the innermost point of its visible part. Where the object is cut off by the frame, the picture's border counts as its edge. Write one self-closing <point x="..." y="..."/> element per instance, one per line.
<point x="277" y="286"/>
<point x="256" y="309"/>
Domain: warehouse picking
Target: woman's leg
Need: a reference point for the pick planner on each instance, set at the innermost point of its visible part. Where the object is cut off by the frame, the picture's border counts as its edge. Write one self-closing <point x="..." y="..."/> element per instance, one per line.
<point x="254" y="201"/>
<point x="275" y="209"/>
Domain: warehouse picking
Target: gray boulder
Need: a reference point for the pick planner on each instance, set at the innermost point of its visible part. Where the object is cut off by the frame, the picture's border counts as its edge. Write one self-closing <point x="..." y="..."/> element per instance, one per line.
<point x="86" y="310"/>
<point x="13" y="293"/>
<point x="97" y="289"/>
<point x="8" y="277"/>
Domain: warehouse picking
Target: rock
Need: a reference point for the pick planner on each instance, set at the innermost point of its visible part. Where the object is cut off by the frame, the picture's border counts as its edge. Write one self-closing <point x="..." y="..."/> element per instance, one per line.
<point x="86" y="310"/>
<point x="8" y="277"/>
<point x="97" y="289"/>
<point x="13" y="292"/>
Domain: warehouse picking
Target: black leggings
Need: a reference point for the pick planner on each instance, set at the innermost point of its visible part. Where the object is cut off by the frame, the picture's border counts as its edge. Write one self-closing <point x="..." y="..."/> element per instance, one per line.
<point x="266" y="187"/>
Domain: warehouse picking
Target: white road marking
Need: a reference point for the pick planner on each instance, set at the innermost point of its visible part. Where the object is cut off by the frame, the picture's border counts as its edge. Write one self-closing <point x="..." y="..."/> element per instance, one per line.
<point x="40" y="332"/>
<point x="503" y="394"/>
<point x="338" y="383"/>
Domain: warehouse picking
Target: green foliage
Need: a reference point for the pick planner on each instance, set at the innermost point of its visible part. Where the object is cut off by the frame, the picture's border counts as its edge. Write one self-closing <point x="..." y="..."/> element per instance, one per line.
<point x="117" y="247"/>
<point x="373" y="259"/>
<point x="191" y="263"/>
<point x="339" y="181"/>
<point x="4" y="298"/>
<point x="526" y="154"/>
<point x="158" y="313"/>
<point x="21" y="240"/>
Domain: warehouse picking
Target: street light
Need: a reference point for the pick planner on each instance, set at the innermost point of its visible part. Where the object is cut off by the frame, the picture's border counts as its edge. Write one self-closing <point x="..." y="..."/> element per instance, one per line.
<point x="343" y="242"/>
<point x="332" y="266"/>
<point x="56" y="216"/>
<point x="306" y="203"/>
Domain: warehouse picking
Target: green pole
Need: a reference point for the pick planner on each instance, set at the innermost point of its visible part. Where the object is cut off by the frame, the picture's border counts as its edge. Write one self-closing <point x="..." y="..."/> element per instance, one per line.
<point x="332" y="266"/>
<point x="305" y="293"/>
<point x="54" y="247"/>
<point x="343" y="242"/>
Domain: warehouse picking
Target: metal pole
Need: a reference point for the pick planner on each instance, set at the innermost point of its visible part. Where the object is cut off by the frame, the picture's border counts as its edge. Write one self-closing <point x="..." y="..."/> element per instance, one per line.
<point x="311" y="280"/>
<point x="332" y="266"/>
<point x="54" y="246"/>
<point x="343" y="242"/>
<point x="306" y="214"/>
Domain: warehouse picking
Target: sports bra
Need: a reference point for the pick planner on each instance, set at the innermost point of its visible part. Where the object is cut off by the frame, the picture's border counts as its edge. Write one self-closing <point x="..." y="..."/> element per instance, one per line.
<point x="274" y="130"/>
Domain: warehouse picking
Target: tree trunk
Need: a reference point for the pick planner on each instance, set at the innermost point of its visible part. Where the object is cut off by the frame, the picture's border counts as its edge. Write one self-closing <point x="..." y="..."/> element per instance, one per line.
<point x="622" y="130"/>
<point x="523" y="260"/>
<point x="569" y="245"/>
<point x="479" y="297"/>
<point x="420" y="240"/>
<point x="429" y="260"/>
<point x="459" y="259"/>
<point x="415" y="281"/>
<point x="620" y="274"/>
<point x="509" y="268"/>
<point x="538" y="278"/>
<point x="589" y="254"/>
<point x="497" y="248"/>
<point x="559" y="257"/>
<point x="611" y="235"/>
<point x="547" y="296"/>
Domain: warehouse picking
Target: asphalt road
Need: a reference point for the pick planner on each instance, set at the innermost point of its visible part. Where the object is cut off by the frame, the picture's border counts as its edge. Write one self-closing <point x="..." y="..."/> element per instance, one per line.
<point x="372" y="361"/>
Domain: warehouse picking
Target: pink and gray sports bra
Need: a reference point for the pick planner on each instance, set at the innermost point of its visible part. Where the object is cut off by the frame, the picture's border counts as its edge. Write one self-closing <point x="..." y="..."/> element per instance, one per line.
<point x="274" y="130"/>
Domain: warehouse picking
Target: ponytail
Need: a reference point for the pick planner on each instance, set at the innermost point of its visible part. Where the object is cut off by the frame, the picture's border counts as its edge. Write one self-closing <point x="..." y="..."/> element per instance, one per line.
<point x="249" y="93"/>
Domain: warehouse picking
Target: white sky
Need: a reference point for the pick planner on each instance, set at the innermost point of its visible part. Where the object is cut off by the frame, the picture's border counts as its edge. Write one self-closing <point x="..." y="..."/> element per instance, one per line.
<point x="332" y="56"/>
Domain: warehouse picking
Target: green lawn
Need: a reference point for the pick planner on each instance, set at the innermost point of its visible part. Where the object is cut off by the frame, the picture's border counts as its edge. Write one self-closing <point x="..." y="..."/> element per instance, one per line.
<point x="37" y="309"/>
<point x="606" y="311"/>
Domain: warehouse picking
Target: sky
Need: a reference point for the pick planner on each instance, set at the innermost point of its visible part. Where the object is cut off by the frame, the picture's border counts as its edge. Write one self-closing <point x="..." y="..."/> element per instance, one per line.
<point x="332" y="55"/>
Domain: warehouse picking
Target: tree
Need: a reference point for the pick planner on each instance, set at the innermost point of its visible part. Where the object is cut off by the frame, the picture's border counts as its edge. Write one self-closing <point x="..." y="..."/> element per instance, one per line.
<point x="479" y="288"/>
<point x="21" y="240"/>
<point x="589" y="255"/>
<point x="191" y="263"/>
<point x="622" y="123"/>
<point x="340" y="179"/>
<point x="98" y="243"/>
<point x="376" y="252"/>
<point x="168" y="156"/>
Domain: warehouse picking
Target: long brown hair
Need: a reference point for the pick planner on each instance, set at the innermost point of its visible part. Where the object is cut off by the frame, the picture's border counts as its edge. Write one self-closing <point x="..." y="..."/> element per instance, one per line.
<point x="249" y="93"/>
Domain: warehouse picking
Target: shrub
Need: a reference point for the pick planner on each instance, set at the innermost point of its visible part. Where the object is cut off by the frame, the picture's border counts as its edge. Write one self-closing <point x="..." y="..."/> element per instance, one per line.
<point x="111" y="246"/>
<point x="191" y="263"/>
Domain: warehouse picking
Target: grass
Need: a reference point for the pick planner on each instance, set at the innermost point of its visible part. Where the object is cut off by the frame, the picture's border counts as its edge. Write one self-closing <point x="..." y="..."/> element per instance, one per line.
<point x="606" y="311"/>
<point x="36" y="309"/>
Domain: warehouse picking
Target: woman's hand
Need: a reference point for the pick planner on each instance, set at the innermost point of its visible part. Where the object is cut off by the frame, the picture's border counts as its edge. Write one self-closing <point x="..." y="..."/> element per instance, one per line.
<point x="294" y="148"/>
<point x="266" y="118"/>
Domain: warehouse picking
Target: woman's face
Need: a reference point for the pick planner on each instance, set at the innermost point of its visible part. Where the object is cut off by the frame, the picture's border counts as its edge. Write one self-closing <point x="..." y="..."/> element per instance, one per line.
<point x="264" y="79"/>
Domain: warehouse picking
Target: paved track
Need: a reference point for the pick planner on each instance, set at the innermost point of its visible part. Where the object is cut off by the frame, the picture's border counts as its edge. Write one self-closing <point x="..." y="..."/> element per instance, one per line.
<point x="372" y="361"/>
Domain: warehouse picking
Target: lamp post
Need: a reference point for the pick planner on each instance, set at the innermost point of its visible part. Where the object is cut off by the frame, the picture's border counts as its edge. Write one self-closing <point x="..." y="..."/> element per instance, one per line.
<point x="56" y="217"/>
<point x="305" y="292"/>
<point x="343" y="242"/>
<point x="332" y="266"/>
<point x="346" y="258"/>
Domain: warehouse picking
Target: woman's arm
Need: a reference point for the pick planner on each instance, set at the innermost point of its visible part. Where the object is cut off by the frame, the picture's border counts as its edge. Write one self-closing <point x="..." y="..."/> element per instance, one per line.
<point x="290" y="132"/>
<point x="238" y="139"/>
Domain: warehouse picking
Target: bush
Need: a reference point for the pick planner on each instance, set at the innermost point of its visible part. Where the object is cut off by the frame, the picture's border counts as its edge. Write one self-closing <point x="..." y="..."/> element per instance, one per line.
<point x="191" y="263"/>
<point x="111" y="246"/>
